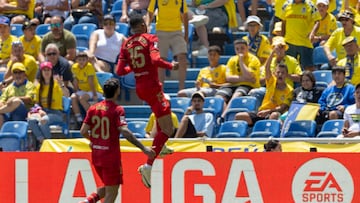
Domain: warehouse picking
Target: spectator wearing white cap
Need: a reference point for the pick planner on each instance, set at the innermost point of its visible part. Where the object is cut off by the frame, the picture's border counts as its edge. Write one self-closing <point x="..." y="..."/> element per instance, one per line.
<point x="327" y="24"/>
<point x="259" y="44"/>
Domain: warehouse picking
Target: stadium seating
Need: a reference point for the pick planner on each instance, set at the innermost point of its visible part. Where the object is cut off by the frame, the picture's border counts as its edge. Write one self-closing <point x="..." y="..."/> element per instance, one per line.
<point x="122" y="28"/>
<point x="128" y="82"/>
<point x="171" y="87"/>
<point x="66" y="102"/>
<point x="202" y="61"/>
<point x="137" y="128"/>
<point x="10" y="143"/>
<point x="301" y="128"/>
<point x="103" y="76"/>
<point x="240" y="104"/>
<point x="233" y="129"/>
<point x="266" y="128"/>
<point x="180" y="103"/>
<point x="214" y="105"/>
<point x="16" y="30"/>
<point x="83" y="29"/>
<point x="319" y="56"/>
<point x="192" y="73"/>
<point x="137" y="112"/>
<point x="323" y="76"/>
<point x="42" y="29"/>
<point x="331" y="128"/>
<point x="18" y="128"/>
<point x="82" y="41"/>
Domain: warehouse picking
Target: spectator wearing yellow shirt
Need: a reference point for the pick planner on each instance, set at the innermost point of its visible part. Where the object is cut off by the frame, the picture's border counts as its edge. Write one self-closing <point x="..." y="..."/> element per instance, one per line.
<point x="171" y="15"/>
<point x="18" y="10"/>
<point x="86" y="85"/>
<point x="327" y="24"/>
<point x="259" y="44"/>
<point x="335" y="41"/>
<point x="351" y="61"/>
<point x="17" y="55"/>
<point x="277" y="98"/>
<point x="6" y="40"/>
<point x="298" y="19"/>
<point x="31" y="41"/>
<point x="210" y="78"/>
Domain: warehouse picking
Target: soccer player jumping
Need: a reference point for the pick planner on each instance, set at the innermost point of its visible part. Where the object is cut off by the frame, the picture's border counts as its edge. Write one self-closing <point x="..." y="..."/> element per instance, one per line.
<point x="142" y="56"/>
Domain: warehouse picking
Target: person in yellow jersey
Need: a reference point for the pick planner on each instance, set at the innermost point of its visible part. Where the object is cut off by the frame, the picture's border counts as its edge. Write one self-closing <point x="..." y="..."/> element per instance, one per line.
<point x="17" y="55"/>
<point x="351" y="61"/>
<point x="18" y="11"/>
<point x="298" y="19"/>
<point x="277" y="98"/>
<point x="6" y="40"/>
<point x="335" y="41"/>
<point x="86" y="85"/>
<point x="210" y="78"/>
<point x="31" y="41"/>
<point x="242" y="72"/>
<point x="278" y="4"/>
<point x="171" y="16"/>
<point x="259" y="44"/>
<point x="48" y="104"/>
<point x="327" y="24"/>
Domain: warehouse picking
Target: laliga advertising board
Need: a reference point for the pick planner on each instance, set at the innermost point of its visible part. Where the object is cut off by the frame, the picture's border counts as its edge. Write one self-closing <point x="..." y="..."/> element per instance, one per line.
<point x="187" y="178"/>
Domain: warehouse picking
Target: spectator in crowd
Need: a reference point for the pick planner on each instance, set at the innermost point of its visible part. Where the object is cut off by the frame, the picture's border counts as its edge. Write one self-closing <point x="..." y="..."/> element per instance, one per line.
<point x="6" y="40"/>
<point x="352" y="117"/>
<point x="18" y="55"/>
<point x="170" y="17"/>
<point x="31" y="41"/>
<point x="259" y="44"/>
<point x="64" y="39"/>
<point x="104" y="46"/>
<point x="298" y="19"/>
<point x="277" y="6"/>
<point x="48" y="103"/>
<point x="294" y="70"/>
<point x="196" y="122"/>
<point x="210" y="78"/>
<point x="351" y="60"/>
<point x="277" y="98"/>
<point x="242" y="72"/>
<point x="336" y="38"/>
<point x="86" y="85"/>
<point x="273" y="146"/>
<point x="199" y="22"/>
<point x="130" y="7"/>
<point x="241" y="8"/>
<point x="308" y="91"/>
<point x="221" y="13"/>
<point x="45" y="9"/>
<point x="327" y="24"/>
<point x="17" y="98"/>
<point x="84" y="11"/>
<point x="354" y="7"/>
<point x="277" y="29"/>
<point x="61" y="67"/>
<point x="18" y="11"/>
<point x="334" y="99"/>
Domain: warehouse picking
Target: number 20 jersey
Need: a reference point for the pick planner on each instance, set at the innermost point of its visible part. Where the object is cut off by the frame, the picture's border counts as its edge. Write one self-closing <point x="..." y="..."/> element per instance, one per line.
<point x="105" y="118"/>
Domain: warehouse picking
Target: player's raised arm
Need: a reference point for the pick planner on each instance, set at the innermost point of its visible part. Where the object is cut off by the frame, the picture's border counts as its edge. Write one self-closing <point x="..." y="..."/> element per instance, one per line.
<point x="133" y="140"/>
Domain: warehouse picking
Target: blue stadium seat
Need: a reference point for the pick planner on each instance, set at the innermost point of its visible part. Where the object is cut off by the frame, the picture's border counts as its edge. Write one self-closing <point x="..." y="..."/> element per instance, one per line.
<point x="79" y="49"/>
<point x="301" y="128"/>
<point x="42" y="29"/>
<point x="16" y="30"/>
<point x="122" y="28"/>
<point x="323" y="76"/>
<point x="82" y="40"/>
<point x="84" y="29"/>
<point x="214" y="105"/>
<point x="128" y="82"/>
<point x="137" y="128"/>
<point x="331" y="128"/>
<point x="171" y="87"/>
<point x="240" y="104"/>
<point x="178" y="112"/>
<point x="18" y="128"/>
<point x="104" y="7"/>
<point x="319" y="56"/>
<point x="10" y="142"/>
<point x="233" y="129"/>
<point x="137" y="112"/>
<point x="103" y="76"/>
<point x="116" y="10"/>
<point x="180" y="103"/>
<point x="229" y="49"/>
<point x="66" y="103"/>
<point x="192" y="73"/>
<point x="202" y="61"/>
<point x="266" y="128"/>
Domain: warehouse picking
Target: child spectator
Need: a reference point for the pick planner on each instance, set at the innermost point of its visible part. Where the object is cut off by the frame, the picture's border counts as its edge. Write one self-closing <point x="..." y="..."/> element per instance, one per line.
<point x="86" y="85"/>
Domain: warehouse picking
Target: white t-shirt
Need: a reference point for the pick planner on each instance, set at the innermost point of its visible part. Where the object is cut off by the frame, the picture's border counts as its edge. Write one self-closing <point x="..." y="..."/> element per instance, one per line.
<point x="352" y="115"/>
<point x="108" y="48"/>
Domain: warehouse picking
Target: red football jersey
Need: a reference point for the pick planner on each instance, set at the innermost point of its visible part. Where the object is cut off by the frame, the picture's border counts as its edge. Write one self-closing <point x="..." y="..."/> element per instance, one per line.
<point x="140" y="52"/>
<point x="104" y="119"/>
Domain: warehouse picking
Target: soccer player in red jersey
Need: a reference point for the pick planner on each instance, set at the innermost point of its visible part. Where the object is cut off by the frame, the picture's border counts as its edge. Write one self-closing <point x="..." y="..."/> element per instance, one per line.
<point x="103" y="123"/>
<point x="142" y="56"/>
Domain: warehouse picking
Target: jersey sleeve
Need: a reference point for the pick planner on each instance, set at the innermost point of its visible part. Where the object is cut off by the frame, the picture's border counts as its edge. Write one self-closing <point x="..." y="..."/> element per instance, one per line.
<point x="120" y="121"/>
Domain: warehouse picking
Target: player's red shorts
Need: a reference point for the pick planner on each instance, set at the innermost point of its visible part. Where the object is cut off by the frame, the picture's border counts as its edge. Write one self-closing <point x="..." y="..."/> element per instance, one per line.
<point x="110" y="175"/>
<point x="156" y="100"/>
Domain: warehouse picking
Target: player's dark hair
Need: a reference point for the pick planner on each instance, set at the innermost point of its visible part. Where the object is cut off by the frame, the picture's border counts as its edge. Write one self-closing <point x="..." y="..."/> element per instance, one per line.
<point x="135" y="20"/>
<point x="110" y="87"/>
<point x="271" y="144"/>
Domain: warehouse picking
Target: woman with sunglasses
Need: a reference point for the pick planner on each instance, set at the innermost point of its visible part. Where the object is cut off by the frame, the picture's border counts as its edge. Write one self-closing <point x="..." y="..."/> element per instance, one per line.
<point x="48" y="107"/>
<point x="104" y="46"/>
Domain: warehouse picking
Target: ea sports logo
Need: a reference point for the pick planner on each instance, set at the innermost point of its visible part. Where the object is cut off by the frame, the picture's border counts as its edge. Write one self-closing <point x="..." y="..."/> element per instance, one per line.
<point x="322" y="180"/>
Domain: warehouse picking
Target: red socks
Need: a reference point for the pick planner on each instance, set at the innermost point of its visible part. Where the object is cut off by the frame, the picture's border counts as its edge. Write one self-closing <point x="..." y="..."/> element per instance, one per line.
<point x="159" y="141"/>
<point x="93" y="198"/>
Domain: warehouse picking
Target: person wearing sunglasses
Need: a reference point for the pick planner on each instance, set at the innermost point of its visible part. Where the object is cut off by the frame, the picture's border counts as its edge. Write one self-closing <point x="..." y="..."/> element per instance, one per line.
<point x="104" y="46"/>
<point x="63" y="38"/>
<point x="17" y="98"/>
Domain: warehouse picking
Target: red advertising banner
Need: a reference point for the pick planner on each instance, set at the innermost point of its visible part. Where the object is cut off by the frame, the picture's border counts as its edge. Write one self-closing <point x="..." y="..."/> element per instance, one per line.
<point x="187" y="178"/>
